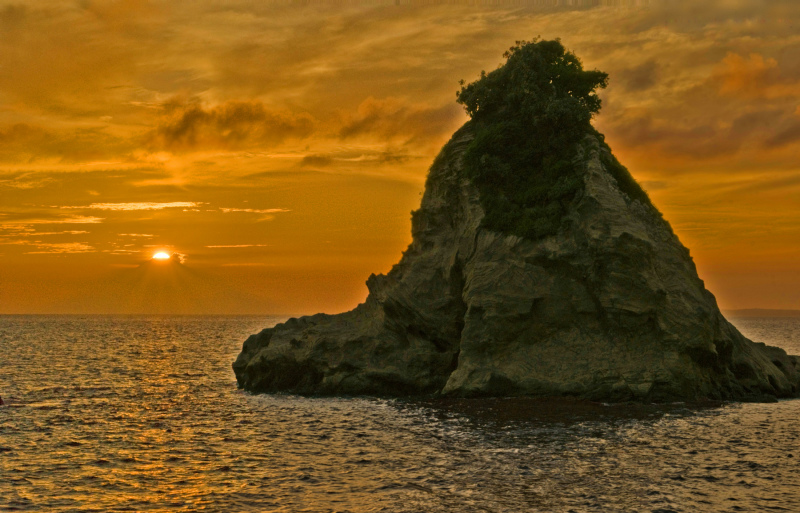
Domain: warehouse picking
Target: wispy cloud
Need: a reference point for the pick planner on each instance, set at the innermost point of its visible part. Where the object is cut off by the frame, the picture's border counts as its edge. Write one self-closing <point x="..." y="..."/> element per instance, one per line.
<point x="25" y="143"/>
<point x="317" y="161"/>
<point x="352" y="157"/>
<point x="34" y="233"/>
<point x="55" y="220"/>
<point x="254" y="210"/>
<point x="61" y="247"/>
<point x="136" y="205"/>
<point x="753" y="77"/>
<point x="247" y="264"/>
<point x="122" y="251"/>
<point x="24" y="180"/>
<point x="186" y="124"/>
<point x="391" y="118"/>
<point x="239" y="246"/>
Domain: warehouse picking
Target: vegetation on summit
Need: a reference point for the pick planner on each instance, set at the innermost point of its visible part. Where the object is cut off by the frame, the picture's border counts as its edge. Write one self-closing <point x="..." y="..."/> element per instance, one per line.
<point x="529" y="115"/>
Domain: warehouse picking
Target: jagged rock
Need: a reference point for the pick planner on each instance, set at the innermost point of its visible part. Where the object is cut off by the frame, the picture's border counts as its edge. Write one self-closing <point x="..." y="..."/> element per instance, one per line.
<point x="611" y="309"/>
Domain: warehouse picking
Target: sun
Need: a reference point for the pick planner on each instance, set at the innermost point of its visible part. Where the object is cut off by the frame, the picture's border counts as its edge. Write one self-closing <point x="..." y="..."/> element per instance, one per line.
<point x="162" y="256"/>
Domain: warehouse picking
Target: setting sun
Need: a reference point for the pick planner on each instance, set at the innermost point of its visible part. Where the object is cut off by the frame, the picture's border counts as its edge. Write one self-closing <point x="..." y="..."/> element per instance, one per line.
<point x="161" y="256"/>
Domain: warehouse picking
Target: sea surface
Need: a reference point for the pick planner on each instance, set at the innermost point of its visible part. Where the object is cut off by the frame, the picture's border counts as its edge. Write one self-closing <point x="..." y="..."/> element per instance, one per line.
<point x="143" y="414"/>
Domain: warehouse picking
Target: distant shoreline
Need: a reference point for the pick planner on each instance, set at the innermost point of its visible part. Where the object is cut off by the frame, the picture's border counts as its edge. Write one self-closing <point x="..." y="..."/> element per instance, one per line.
<point x="761" y="312"/>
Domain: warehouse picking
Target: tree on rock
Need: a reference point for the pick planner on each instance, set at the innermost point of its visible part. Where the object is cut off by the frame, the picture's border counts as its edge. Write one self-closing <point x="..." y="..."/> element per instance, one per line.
<point x="529" y="114"/>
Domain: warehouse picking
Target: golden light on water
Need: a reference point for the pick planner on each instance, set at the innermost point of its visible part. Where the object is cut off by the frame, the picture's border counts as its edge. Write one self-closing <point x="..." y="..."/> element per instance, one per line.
<point x="161" y="255"/>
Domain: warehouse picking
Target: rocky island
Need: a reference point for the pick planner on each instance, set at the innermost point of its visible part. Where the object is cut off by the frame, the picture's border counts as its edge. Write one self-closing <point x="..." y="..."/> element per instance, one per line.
<point x="538" y="267"/>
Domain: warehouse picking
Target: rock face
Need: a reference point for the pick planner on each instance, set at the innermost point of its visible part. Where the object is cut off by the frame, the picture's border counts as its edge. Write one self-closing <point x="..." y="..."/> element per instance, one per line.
<point x="611" y="309"/>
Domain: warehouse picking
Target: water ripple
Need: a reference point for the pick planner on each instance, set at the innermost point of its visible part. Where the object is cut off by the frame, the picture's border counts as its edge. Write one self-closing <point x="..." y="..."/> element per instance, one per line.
<point x="142" y="414"/>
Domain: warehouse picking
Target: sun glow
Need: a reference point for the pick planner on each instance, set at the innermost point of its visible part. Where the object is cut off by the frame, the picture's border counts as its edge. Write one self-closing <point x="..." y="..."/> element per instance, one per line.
<point x="161" y="256"/>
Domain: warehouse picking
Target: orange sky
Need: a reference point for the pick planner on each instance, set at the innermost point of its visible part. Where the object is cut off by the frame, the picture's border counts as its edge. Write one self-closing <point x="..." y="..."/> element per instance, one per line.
<point x="279" y="148"/>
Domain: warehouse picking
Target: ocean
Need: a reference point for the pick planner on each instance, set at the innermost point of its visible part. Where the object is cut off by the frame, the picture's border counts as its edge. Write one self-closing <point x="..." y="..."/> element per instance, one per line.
<point x="107" y="413"/>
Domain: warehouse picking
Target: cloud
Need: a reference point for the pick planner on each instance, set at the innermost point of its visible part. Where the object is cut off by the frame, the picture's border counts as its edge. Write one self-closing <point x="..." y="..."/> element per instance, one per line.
<point x="789" y="134"/>
<point x="248" y="264"/>
<point x="316" y="161"/>
<point x="136" y="205"/>
<point x="24" y="142"/>
<point x="391" y="118"/>
<point x="185" y="125"/>
<point x="71" y="57"/>
<point x="702" y="140"/>
<point x="755" y="77"/>
<point x="351" y="157"/>
<point x="61" y="247"/>
<point x="752" y="76"/>
<point x="12" y="16"/>
<point x="55" y="220"/>
<point x="777" y="182"/>
<point x="24" y="180"/>
<point x="653" y="185"/>
<point x="65" y="232"/>
<point x="641" y="77"/>
<point x="254" y="210"/>
<point x="724" y="135"/>
<point x="240" y="246"/>
<point x="742" y="105"/>
<point x="18" y="140"/>
<point x="265" y="214"/>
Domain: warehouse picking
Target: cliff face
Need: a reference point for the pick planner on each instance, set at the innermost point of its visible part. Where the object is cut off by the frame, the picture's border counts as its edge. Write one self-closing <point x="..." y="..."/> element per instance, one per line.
<point x="611" y="308"/>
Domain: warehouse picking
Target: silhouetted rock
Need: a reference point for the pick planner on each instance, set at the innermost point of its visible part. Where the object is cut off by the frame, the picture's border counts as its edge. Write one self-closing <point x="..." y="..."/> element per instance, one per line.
<point x="611" y="308"/>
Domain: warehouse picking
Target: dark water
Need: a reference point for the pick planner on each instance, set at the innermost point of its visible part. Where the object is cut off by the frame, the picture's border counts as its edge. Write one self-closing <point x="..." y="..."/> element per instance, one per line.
<point x="142" y="414"/>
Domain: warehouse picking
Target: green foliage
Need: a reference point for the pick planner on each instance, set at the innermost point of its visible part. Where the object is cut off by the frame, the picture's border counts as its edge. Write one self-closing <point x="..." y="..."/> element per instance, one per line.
<point x="529" y="115"/>
<point x="625" y="181"/>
